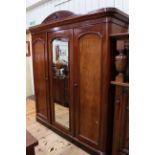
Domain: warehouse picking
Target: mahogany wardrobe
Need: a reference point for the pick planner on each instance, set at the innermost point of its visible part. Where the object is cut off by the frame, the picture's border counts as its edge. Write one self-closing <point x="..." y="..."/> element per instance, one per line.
<point x="72" y="72"/>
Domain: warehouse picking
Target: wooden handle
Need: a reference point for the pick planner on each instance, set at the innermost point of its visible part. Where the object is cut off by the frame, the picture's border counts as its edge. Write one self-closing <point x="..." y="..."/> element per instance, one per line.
<point x="75" y="85"/>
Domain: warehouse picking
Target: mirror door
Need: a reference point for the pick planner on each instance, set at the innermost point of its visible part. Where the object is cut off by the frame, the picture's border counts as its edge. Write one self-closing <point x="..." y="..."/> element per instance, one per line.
<point x="60" y="80"/>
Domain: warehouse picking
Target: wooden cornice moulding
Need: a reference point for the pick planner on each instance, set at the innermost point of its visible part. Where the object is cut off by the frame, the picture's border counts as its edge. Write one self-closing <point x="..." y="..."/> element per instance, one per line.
<point x="58" y="16"/>
<point x="120" y="36"/>
<point x="64" y="17"/>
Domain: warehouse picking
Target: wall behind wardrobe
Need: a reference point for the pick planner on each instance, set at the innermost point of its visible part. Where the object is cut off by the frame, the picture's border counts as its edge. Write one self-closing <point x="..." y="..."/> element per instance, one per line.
<point x="29" y="70"/>
<point x="36" y="12"/>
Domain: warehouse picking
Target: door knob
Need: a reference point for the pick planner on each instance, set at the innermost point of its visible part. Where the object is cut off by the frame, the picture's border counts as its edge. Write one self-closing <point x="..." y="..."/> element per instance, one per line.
<point x="75" y="84"/>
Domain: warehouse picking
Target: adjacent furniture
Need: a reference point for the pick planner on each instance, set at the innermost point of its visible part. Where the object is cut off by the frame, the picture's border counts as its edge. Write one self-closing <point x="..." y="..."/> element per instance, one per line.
<point x="31" y="142"/>
<point x="72" y="61"/>
<point x="120" y="42"/>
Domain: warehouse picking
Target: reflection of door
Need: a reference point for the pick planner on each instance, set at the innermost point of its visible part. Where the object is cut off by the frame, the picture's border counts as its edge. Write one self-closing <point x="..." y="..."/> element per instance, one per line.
<point x="59" y="90"/>
<point x="60" y="72"/>
<point x="60" y="94"/>
<point x="87" y="86"/>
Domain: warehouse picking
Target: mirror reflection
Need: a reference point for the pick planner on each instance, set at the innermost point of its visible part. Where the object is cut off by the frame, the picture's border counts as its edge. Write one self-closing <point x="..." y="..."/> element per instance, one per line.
<point x="60" y="81"/>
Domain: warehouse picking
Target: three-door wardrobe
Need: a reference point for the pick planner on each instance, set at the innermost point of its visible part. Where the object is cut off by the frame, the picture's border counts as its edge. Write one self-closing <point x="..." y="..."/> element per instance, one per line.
<point x="72" y="72"/>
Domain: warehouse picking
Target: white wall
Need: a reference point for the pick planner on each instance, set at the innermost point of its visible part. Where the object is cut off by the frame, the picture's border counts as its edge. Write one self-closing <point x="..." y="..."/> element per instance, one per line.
<point x="29" y="71"/>
<point x="37" y="13"/>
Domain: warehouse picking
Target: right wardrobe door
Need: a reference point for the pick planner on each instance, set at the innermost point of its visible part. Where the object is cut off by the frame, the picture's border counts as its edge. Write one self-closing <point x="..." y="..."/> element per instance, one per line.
<point x="87" y="83"/>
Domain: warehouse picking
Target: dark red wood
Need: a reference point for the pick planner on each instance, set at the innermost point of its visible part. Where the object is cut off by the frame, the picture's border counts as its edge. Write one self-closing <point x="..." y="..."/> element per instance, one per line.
<point x="61" y="91"/>
<point x="118" y="36"/>
<point x="113" y="14"/>
<point x="58" y="16"/>
<point x="40" y="68"/>
<point x="31" y="142"/>
<point x="121" y="121"/>
<point x="121" y="105"/>
<point x="90" y="97"/>
<point x="87" y="111"/>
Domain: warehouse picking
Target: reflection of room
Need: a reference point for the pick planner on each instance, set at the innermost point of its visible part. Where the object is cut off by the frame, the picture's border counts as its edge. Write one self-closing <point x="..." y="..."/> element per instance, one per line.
<point x="60" y="81"/>
<point x="60" y="50"/>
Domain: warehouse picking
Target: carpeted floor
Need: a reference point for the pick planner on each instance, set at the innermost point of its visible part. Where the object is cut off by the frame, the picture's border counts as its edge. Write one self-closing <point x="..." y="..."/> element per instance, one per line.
<point x="49" y="142"/>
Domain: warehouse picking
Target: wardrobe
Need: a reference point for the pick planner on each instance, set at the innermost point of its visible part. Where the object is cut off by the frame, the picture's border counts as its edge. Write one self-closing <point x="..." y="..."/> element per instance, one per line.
<point x="72" y="66"/>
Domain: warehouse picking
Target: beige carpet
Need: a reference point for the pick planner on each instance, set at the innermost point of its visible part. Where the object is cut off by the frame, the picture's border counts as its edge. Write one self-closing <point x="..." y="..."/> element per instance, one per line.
<point x="49" y="142"/>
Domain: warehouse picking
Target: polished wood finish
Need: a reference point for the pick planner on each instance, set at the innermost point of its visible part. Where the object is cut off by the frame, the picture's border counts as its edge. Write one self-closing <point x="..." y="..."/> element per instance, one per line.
<point x="40" y="75"/>
<point x="31" y="142"/>
<point x="121" y="105"/>
<point x="58" y="16"/>
<point x="88" y="66"/>
<point x="120" y="65"/>
<point x="119" y="36"/>
<point x="121" y="121"/>
<point x="60" y="90"/>
<point x="115" y="16"/>
<point x="90" y="94"/>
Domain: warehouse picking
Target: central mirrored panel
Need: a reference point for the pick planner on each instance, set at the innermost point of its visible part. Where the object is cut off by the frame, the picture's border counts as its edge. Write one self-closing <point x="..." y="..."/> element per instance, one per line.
<point x="60" y="81"/>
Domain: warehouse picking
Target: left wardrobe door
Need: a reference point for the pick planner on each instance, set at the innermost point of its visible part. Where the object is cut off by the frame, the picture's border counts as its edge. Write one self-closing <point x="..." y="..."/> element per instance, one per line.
<point x="40" y="69"/>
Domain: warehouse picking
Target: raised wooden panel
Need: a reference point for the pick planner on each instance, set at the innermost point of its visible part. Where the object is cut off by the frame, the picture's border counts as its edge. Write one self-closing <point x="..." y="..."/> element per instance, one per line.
<point x="124" y="139"/>
<point x="121" y="122"/>
<point x="40" y="76"/>
<point x="90" y="91"/>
